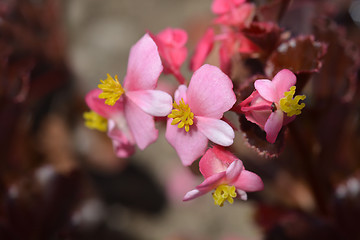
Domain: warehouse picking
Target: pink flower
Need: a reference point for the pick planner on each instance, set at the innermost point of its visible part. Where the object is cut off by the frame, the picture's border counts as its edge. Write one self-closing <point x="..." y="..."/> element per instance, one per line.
<point x="116" y="125"/>
<point x="226" y="174"/>
<point x="198" y="110"/>
<point x="233" y="12"/>
<point x="231" y="44"/>
<point x="172" y="50"/>
<point x="266" y="106"/>
<point x="137" y="102"/>
<point x="202" y="49"/>
<point x="224" y="6"/>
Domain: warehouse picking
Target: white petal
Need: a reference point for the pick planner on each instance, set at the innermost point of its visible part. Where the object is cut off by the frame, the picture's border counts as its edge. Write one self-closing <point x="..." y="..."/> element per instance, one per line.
<point x="154" y="102"/>
<point x="216" y="130"/>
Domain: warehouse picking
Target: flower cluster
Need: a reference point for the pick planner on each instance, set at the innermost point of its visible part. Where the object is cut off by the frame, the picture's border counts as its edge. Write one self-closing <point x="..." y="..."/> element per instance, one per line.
<point x="195" y="112"/>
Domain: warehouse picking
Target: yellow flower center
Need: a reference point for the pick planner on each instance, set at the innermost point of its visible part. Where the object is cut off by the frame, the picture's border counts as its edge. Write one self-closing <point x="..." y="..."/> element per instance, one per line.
<point x="95" y="121"/>
<point x="291" y="105"/>
<point x="112" y="90"/>
<point x="182" y="114"/>
<point x="222" y="193"/>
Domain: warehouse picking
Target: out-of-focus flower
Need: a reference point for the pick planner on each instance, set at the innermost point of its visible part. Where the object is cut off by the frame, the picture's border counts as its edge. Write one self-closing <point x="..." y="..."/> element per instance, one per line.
<point x="171" y="43"/>
<point x="131" y="108"/>
<point x="239" y="16"/>
<point x="198" y="110"/>
<point x="224" y="6"/>
<point x="226" y="174"/>
<point x="233" y="43"/>
<point x="202" y="49"/>
<point x="271" y="99"/>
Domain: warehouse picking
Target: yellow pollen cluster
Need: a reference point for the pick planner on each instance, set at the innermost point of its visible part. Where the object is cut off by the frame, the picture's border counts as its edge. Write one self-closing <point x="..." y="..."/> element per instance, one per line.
<point x="95" y="121"/>
<point x="182" y="114"/>
<point x="112" y="90"/>
<point x="222" y="193"/>
<point x="291" y="105"/>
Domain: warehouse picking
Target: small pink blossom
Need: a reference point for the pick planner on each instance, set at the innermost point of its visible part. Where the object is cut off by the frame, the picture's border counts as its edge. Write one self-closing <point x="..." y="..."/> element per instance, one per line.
<point x="197" y="113"/>
<point x="234" y="13"/>
<point x="271" y="99"/>
<point x="231" y="44"/>
<point x="225" y="173"/>
<point x="132" y="108"/>
<point x="171" y="43"/>
<point x="224" y="6"/>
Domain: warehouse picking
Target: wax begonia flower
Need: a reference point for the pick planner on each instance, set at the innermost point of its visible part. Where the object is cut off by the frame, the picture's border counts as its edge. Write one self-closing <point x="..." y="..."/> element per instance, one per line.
<point x="226" y="174"/>
<point x="111" y="119"/>
<point x="141" y="102"/>
<point x="195" y="118"/>
<point x="171" y="43"/>
<point x="272" y="105"/>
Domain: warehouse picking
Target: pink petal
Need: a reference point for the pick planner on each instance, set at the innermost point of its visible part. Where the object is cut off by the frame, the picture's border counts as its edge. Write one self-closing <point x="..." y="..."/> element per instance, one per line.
<point x="249" y="182"/>
<point x="239" y="17"/>
<point x="223" y="6"/>
<point x="141" y="124"/>
<point x="153" y="102"/>
<point x="122" y="139"/>
<point x="202" y="49"/>
<point x="282" y="82"/>
<point x="175" y="37"/>
<point x="216" y="130"/>
<point x="246" y="46"/>
<point x="254" y="115"/>
<point x="188" y="145"/>
<point x="172" y="50"/>
<point x="206" y="186"/>
<point x="241" y="194"/>
<point x="98" y="105"/>
<point x="215" y="160"/>
<point x="266" y="90"/>
<point x="193" y="194"/>
<point x="234" y="170"/>
<point x="273" y="125"/>
<point x="180" y="93"/>
<point x="210" y="92"/>
<point x="226" y="53"/>
<point x="212" y="182"/>
<point x="144" y="66"/>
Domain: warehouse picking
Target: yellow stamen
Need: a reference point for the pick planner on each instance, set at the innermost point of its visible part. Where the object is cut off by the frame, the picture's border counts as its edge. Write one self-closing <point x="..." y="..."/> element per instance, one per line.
<point x="182" y="114"/>
<point x="222" y="193"/>
<point x="112" y="90"/>
<point x="95" y="121"/>
<point x="291" y="105"/>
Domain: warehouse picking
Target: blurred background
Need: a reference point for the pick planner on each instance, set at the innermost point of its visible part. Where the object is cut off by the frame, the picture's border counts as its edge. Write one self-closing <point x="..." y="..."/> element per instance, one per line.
<point x="60" y="180"/>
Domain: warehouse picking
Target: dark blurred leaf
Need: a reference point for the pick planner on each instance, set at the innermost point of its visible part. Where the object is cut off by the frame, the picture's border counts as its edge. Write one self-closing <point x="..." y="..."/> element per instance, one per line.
<point x="256" y="138"/>
<point x="346" y="206"/>
<point x="133" y="187"/>
<point x="338" y="76"/>
<point x="301" y="226"/>
<point x="265" y="35"/>
<point x="33" y="211"/>
<point x="301" y="55"/>
<point x="273" y="10"/>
